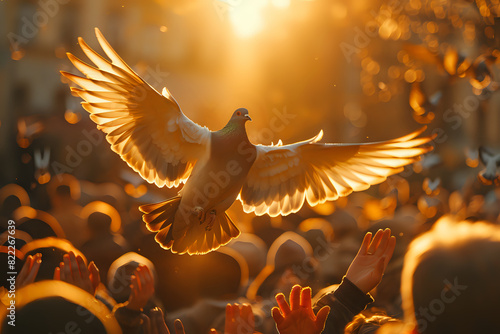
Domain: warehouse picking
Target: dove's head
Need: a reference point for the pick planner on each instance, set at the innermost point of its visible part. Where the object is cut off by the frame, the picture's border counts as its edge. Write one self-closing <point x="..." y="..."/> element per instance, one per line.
<point x="240" y="116"/>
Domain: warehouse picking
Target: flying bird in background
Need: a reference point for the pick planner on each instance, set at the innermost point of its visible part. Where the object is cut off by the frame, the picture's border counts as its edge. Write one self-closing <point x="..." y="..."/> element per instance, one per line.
<point x="491" y="162"/>
<point x="150" y="132"/>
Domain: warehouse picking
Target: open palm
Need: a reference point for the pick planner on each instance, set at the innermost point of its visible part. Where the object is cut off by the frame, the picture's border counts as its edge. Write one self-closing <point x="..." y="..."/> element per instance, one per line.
<point x="367" y="268"/>
<point x="298" y="318"/>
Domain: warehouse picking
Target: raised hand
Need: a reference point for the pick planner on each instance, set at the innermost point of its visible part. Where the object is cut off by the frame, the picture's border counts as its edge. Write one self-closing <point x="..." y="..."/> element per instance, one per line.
<point x="141" y="289"/>
<point x="298" y="318"/>
<point x="74" y="271"/>
<point x="239" y="319"/>
<point x="30" y="268"/>
<point x="367" y="268"/>
<point x="155" y="323"/>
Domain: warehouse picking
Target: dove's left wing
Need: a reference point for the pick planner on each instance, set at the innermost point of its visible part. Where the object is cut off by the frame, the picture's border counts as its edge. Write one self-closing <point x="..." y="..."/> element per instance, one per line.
<point x="147" y="129"/>
<point x="283" y="177"/>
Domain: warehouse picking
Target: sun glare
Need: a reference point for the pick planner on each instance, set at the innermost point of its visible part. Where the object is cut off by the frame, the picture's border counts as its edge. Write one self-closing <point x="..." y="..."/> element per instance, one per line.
<point x="247" y="16"/>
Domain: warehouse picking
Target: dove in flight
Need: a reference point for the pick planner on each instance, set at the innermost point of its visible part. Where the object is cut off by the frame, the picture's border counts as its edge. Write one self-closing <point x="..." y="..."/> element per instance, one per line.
<point x="491" y="161"/>
<point x="156" y="139"/>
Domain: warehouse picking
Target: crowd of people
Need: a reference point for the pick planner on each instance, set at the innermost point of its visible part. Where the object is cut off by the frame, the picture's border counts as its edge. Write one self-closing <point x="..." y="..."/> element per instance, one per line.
<point x="83" y="262"/>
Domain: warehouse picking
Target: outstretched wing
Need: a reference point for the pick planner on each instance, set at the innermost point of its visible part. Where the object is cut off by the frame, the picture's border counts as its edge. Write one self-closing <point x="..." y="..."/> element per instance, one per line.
<point x="283" y="177"/>
<point x="147" y="129"/>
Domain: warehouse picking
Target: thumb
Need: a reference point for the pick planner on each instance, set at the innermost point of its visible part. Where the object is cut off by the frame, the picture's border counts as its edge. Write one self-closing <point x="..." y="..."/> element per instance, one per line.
<point x="321" y="317"/>
<point x="94" y="275"/>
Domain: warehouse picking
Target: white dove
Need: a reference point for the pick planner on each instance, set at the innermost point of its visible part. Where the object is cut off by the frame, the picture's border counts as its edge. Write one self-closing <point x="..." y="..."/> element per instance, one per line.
<point x="150" y="132"/>
<point x="491" y="161"/>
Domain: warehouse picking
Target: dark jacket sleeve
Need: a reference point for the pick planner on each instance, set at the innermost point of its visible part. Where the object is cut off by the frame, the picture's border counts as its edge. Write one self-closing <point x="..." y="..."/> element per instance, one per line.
<point x="345" y="302"/>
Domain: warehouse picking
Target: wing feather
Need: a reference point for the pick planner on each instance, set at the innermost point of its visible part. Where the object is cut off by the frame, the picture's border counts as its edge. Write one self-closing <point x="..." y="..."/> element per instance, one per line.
<point x="147" y="129"/>
<point x="283" y="178"/>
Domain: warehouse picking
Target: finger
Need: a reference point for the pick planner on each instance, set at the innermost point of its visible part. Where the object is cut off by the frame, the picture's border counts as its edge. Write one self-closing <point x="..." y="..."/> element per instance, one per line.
<point x="62" y="272"/>
<point x="277" y="316"/>
<point x="246" y="312"/>
<point x="285" y="309"/>
<point x="150" y="283"/>
<point x="247" y="315"/>
<point x="34" y="270"/>
<point x="38" y="256"/>
<point x="24" y="271"/>
<point x="134" y="287"/>
<point x="236" y="313"/>
<point x="26" y="268"/>
<point x="229" y="317"/>
<point x="146" y="324"/>
<point x="94" y="275"/>
<point x="137" y="276"/>
<point x="84" y="275"/>
<point x="364" y="245"/>
<point x="305" y="298"/>
<point x="384" y="241"/>
<point x="67" y="269"/>
<point x="84" y="272"/>
<point x="57" y="274"/>
<point x="179" y="327"/>
<point x="75" y="271"/>
<point x="322" y="316"/>
<point x="389" y="250"/>
<point x="32" y="262"/>
<point x="295" y="297"/>
<point x="375" y="241"/>
<point x="158" y="321"/>
<point x="144" y="277"/>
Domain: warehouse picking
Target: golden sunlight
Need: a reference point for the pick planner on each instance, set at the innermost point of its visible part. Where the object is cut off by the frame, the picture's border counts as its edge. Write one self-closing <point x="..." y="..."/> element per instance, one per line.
<point x="247" y="16"/>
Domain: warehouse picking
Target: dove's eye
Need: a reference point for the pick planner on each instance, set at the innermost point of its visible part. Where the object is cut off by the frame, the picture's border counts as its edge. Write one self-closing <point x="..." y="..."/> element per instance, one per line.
<point x="238" y="113"/>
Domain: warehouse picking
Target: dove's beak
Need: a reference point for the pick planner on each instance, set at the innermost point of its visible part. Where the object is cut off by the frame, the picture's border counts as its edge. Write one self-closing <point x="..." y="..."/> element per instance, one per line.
<point x="248" y="118"/>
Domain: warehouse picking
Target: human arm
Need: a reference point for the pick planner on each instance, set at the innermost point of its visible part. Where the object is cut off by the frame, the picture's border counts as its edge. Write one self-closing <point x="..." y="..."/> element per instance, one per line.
<point x="129" y="314"/>
<point x="366" y="270"/>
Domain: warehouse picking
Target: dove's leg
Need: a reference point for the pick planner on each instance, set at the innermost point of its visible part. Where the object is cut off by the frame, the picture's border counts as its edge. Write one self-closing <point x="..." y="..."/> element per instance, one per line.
<point x="210" y="219"/>
<point x="199" y="213"/>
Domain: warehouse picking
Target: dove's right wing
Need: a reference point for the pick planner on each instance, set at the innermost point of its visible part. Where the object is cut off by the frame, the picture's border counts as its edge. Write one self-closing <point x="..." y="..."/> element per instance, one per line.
<point x="148" y="130"/>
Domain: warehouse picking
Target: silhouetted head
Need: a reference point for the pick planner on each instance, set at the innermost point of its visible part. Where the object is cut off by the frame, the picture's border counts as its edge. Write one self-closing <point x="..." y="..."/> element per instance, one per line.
<point x="120" y="272"/>
<point x="52" y="251"/>
<point x="54" y="306"/>
<point x="241" y="116"/>
<point x="290" y="261"/>
<point x="449" y="282"/>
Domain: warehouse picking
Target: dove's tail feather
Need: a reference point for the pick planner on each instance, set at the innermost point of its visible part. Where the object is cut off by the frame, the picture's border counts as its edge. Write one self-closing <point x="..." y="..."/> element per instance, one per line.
<point x="159" y="218"/>
<point x="197" y="239"/>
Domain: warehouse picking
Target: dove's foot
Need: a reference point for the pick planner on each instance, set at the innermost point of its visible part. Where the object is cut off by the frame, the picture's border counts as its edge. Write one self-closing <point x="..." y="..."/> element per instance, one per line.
<point x="210" y="220"/>
<point x="199" y="213"/>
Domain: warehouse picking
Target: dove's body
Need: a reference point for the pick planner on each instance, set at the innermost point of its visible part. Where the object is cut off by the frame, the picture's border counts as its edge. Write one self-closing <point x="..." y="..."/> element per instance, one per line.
<point x="216" y="179"/>
<point x="151" y="133"/>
